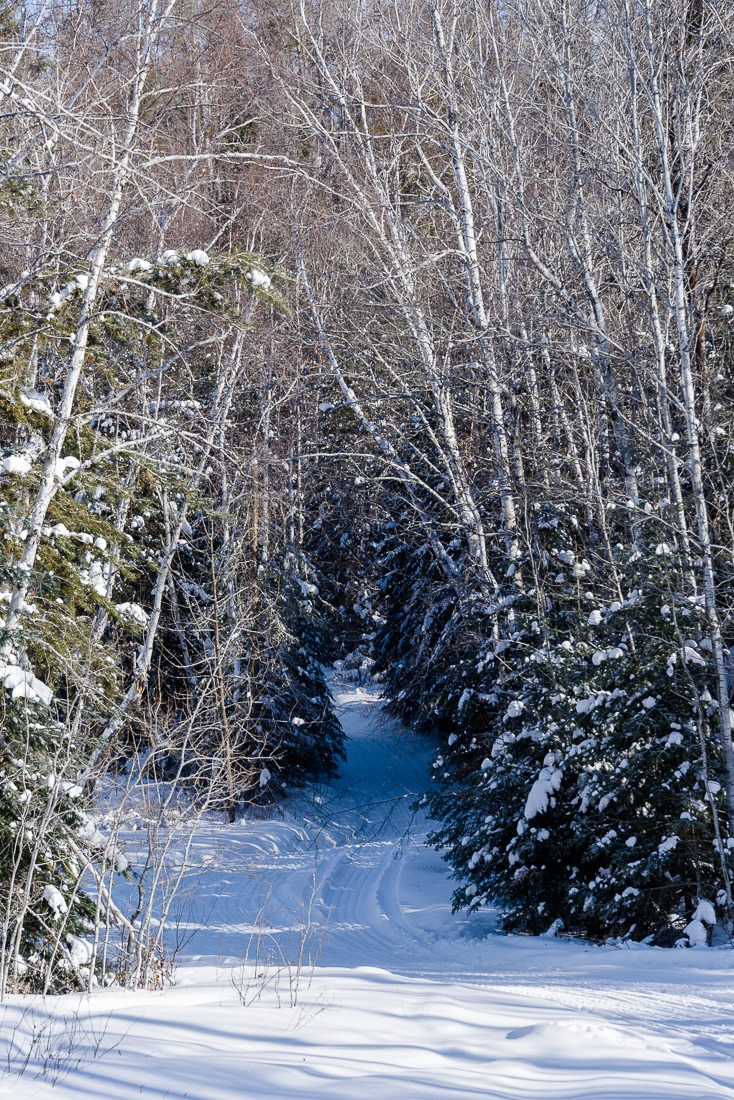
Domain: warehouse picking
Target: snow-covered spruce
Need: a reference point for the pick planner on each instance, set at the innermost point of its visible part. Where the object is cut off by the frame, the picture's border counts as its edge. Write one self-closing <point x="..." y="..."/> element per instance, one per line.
<point x="573" y="784"/>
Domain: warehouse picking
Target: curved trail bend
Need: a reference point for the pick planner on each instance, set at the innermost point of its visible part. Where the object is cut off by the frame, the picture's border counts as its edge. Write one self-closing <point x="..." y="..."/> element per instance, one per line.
<point x="354" y="868"/>
<point x="319" y="959"/>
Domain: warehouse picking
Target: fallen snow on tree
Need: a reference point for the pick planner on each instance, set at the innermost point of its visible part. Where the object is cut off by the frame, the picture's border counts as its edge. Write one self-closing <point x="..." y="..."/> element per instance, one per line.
<point x="259" y="279"/>
<point x="15" y="464"/>
<point x="132" y="611"/>
<point x="541" y="792"/>
<point x="55" y="900"/>
<point x="22" y="684"/>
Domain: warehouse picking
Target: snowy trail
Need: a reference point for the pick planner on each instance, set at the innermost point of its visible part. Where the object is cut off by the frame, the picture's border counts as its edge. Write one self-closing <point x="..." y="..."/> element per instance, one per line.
<point x="396" y="997"/>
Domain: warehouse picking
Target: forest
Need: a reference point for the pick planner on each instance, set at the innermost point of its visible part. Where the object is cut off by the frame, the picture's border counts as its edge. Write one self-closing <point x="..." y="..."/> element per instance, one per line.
<point x="391" y="333"/>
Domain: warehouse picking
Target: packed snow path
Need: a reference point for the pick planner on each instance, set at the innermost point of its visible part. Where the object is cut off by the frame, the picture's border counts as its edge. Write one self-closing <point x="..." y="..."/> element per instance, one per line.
<point x="318" y="958"/>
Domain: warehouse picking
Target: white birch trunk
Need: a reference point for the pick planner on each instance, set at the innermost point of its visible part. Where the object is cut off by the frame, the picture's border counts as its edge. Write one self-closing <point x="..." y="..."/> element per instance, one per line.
<point x="679" y="307"/>
<point x="146" y="39"/>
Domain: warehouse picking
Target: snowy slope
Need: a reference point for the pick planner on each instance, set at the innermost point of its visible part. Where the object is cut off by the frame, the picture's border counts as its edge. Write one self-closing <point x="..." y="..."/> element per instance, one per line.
<point x="319" y="958"/>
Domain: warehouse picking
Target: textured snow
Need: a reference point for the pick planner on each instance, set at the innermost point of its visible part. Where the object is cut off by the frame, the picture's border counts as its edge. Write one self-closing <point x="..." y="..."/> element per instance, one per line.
<point x="55" y="899"/>
<point x="133" y="611"/>
<point x="65" y="465"/>
<point x="259" y="278"/>
<point x="696" y="932"/>
<point x="668" y="845"/>
<point x="80" y="951"/>
<point x="73" y="790"/>
<point x="58" y="531"/>
<point x="541" y="792"/>
<point x="37" y="402"/>
<point x="705" y="912"/>
<point x="96" y="575"/>
<point x="397" y="998"/>
<point x="22" y="684"/>
<point x="14" y="464"/>
<point x="88" y="830"/>
<point x="465" y="697"/>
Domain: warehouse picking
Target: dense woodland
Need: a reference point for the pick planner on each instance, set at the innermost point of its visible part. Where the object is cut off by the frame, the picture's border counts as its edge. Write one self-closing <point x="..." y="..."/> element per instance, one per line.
<point x="399" y="333"/>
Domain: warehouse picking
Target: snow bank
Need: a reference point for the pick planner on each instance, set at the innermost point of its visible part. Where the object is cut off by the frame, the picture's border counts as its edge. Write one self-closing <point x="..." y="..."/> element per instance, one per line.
<point x="362" y="984"/>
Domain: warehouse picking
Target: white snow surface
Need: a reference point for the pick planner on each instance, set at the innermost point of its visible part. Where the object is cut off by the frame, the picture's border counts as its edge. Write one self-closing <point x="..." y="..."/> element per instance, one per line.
<point x="22" y="684"/>
<point x="53" y="897"/>
<point x="15" y="464"/>
<point x="133" y="611"/>
<point x="36" y="401"/>
<point x="258" y="278"/>
<point x="397" y="997"/>
<point x="542" y="791"/>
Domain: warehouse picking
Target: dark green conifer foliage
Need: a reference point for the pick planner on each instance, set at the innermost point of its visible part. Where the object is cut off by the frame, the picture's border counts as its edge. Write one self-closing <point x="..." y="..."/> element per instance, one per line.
<point x="577" y="779"/>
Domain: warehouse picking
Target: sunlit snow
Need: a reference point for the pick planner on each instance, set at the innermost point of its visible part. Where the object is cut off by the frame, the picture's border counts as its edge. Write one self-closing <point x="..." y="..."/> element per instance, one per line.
<point x="318" y="958"/>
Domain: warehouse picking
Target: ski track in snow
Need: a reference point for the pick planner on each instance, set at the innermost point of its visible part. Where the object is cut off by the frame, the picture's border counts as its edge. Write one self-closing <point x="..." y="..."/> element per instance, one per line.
<point x="396" y="997"/>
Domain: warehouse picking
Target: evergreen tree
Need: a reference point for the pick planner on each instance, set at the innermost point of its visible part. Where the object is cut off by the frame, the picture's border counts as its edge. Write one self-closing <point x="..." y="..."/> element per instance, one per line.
<point x="584" y="787"/>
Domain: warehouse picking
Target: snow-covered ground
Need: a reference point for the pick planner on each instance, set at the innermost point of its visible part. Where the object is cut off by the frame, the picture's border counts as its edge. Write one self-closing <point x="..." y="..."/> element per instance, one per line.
<point x="318" y="958"/>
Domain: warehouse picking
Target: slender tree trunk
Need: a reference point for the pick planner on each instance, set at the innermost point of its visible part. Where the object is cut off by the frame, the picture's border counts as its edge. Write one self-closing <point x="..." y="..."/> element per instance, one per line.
<point x="680" y="306"/>
<point x="149" y="23"/>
